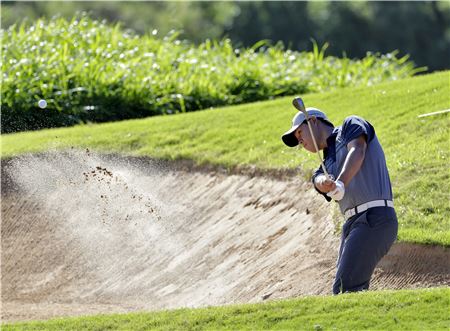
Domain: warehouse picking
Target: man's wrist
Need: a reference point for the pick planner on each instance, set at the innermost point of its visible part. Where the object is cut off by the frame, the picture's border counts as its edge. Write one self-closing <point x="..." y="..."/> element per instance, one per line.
<point x="338" y="193"/>
<point x="340" y="179"/>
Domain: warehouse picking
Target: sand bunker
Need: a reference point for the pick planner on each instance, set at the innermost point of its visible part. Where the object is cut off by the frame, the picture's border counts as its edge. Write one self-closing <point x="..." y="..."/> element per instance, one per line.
<point x="84" y="234"/>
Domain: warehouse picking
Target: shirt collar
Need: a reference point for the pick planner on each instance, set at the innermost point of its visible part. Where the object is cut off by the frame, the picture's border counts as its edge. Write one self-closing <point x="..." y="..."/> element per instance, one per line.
<point x="331" y="140"/>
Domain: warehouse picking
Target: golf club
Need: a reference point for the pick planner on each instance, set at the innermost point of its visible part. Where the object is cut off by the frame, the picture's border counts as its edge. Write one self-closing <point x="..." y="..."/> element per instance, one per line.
<point x="435" y="113"/>
<point x="299" y="105"/>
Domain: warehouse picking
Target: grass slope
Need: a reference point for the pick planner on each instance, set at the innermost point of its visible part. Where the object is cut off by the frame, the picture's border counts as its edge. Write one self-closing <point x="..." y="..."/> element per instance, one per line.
<point x="384" y="310"/>
<point x="416" y="149"/>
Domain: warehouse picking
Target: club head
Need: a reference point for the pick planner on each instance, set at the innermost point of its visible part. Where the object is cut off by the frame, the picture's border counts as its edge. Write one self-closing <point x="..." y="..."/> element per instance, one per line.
<point x="299" y="105"/>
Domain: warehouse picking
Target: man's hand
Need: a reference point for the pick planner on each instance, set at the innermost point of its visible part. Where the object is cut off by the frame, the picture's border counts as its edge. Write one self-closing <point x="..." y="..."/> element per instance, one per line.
<point x="338" y="193"/>
<point x="324" y="184"/>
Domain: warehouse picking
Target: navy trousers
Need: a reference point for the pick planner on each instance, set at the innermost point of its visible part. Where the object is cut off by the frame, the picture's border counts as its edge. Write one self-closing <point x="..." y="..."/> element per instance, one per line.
<point x="366" y="238"/>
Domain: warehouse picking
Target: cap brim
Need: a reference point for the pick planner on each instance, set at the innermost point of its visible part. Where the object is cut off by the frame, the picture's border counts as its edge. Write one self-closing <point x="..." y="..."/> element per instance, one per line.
<point x="289" y="137"/>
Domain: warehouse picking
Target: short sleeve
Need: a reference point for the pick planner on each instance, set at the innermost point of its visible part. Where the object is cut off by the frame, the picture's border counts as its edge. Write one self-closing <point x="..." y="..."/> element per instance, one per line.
<point x="355" y="126"/>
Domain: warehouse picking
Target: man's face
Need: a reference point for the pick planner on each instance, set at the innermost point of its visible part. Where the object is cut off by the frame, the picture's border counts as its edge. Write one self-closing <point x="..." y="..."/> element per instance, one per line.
<point x="304" y="137"/>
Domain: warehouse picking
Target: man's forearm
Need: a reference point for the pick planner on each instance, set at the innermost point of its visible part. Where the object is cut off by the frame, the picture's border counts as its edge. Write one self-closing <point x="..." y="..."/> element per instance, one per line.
<point x="352" y="164"/>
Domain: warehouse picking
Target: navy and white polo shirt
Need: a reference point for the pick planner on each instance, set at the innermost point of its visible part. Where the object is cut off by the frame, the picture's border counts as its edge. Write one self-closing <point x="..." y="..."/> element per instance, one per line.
<point x="372" y="181"/>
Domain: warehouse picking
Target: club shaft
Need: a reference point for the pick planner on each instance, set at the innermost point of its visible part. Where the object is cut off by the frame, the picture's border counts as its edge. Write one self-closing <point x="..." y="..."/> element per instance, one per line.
<point x="299" y="105"/>
<point x="315" y="146"/>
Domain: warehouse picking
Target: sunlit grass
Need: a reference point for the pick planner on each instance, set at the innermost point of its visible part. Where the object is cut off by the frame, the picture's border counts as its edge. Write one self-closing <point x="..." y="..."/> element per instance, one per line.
<point x="425" y="309"/>
<point x="92" y="71"/>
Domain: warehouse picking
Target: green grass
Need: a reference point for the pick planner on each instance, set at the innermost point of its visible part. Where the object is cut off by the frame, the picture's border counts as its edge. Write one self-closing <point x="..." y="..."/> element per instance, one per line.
<point x="92" y="71"/>
<point x="416" y="149"/>
<point x="425" y="309"/>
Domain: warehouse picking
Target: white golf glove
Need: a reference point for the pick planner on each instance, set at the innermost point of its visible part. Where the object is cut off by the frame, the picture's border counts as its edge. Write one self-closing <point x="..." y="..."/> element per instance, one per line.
<point x="338" y="193"/>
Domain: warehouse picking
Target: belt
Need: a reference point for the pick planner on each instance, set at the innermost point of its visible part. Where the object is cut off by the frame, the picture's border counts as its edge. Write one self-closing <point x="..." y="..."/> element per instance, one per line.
<point x="363" y="207"/>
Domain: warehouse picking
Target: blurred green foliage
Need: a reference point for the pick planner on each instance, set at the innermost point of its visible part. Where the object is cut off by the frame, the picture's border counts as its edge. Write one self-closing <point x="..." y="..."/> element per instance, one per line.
<point x="418" y="28"/>
<point x="89" y="71"/>
<point x="197" y="20"/>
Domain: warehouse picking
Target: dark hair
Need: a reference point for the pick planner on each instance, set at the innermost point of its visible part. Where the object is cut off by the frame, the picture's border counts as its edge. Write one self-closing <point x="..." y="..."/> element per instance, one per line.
<point x="326" y="122"/>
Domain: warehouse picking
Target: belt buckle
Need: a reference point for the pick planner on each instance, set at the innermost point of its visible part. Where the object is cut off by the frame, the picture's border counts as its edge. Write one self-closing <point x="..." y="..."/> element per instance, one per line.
<point x="350" y="212"/>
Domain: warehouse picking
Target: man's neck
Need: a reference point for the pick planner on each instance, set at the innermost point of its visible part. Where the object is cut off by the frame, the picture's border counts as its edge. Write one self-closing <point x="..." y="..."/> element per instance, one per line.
<point x="325" y="132"/>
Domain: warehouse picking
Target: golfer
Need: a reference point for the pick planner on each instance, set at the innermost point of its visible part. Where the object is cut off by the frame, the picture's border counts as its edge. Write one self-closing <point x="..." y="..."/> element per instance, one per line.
<point x="359" y="181"/>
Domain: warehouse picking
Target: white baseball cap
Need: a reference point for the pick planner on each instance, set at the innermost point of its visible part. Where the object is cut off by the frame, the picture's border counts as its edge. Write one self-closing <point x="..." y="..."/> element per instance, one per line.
<point x="289" y="137"/>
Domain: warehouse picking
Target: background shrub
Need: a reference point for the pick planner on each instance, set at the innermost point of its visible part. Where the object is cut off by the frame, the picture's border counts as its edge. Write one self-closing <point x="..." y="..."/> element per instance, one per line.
<point x="89" y="71"/>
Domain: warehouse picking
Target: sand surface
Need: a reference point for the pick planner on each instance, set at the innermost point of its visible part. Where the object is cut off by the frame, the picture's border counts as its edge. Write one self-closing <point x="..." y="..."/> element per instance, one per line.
<point x="86" y="234"/>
